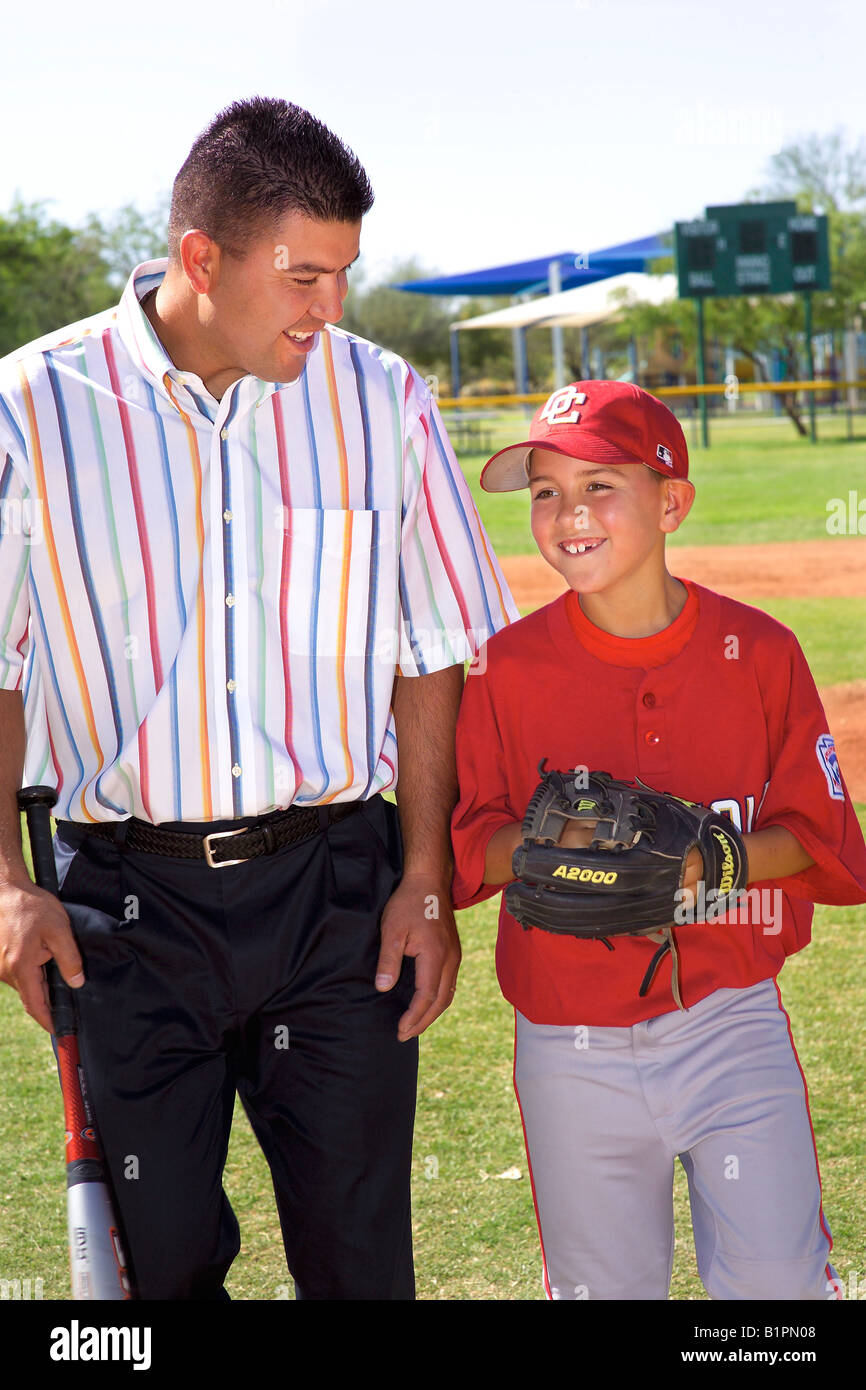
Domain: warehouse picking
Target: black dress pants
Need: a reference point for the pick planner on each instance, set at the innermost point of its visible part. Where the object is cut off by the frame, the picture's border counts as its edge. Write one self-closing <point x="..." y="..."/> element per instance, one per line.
<point x="256" y="978"/>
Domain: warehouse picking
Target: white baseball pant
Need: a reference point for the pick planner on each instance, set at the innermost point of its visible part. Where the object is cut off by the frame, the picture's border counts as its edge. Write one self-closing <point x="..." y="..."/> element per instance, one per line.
<point x="606" y="1111"/>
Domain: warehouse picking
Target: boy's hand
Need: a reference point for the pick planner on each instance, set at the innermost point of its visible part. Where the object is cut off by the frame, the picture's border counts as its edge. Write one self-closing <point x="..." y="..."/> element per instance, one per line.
<point x="505" y="840"/>
<point x="693" y="875"/>
<point x="577" y="834"/>
<point x="500" y="852"/>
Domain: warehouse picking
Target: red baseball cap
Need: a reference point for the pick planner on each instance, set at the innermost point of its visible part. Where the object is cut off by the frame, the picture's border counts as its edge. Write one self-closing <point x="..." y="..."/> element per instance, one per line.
<point x="600" y="422"/>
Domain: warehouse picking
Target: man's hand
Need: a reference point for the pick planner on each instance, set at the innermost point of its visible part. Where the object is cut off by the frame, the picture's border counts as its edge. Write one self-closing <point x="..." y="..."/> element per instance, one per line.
<point x="34" y="926"/>
<point x="418" y="921"/>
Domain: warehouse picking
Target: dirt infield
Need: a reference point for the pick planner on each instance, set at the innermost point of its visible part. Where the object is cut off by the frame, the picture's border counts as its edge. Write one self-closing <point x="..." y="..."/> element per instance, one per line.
<point x="798" y="569"/>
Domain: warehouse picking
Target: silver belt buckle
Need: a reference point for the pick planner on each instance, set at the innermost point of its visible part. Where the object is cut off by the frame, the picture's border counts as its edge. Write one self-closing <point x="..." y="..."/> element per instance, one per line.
<point x="221" y="835"/>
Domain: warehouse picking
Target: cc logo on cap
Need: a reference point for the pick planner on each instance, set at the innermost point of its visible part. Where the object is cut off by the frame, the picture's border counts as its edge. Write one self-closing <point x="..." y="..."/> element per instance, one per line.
<point x="558" y="407"/>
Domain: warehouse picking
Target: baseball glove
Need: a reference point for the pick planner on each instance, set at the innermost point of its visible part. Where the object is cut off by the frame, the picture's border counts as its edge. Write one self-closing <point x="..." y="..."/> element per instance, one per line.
<point x="627" y="882"/>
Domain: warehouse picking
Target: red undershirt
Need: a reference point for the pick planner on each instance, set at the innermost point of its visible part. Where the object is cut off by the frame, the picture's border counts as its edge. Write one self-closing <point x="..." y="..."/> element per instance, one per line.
<point x="647" y="652"/>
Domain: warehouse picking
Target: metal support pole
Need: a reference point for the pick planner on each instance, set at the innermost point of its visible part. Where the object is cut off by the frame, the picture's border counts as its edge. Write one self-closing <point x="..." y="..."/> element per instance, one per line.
<point x="585" y="369"/>
<point x="702" y="375"/>
<point x="521" y="371"/>
<point x="453" y="334"/>
<point x="554" y="282"/>
<point x="849" y="367"/>
<point x="810" y="358"/>
<point x="777" y="372"/>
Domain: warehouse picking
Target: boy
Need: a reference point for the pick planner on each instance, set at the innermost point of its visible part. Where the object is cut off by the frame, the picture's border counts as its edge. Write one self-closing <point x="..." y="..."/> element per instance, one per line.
<point x="641" y="674"/>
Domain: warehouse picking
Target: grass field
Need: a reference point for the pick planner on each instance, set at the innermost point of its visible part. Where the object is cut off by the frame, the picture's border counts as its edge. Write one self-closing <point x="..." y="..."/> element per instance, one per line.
<point x="475" y="1229"/>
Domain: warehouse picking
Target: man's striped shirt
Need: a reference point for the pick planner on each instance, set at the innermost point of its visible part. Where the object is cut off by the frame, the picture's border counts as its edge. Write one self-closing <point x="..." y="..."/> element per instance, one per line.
<point x="204" y="602"/>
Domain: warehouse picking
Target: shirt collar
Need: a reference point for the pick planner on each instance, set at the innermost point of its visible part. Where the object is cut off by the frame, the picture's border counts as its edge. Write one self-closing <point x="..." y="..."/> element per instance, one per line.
<point x="134" y="327"/>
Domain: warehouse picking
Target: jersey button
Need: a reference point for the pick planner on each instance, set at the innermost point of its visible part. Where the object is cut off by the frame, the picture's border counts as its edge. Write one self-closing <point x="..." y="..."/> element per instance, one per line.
<point x="652" y="737"/>
<point x="649" y="699"/>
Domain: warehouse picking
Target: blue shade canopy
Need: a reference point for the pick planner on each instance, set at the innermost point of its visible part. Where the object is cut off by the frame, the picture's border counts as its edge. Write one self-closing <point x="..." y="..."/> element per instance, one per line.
<point x="577" y="268"/>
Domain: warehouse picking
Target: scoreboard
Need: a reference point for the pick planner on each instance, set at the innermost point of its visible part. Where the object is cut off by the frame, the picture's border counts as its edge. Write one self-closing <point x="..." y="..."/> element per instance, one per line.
<point x="752" y="248"/>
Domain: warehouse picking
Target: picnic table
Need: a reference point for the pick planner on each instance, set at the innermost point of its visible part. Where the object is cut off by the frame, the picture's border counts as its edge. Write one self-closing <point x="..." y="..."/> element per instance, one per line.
<point x="470" y="431"/>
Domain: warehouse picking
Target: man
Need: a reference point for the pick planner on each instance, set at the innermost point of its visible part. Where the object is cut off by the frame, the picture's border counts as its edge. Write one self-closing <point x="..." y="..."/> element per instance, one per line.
<point x="260" y="574"/>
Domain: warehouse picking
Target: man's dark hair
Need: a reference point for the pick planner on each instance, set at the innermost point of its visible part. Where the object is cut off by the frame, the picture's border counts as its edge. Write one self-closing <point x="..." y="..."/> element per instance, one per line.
<point x="258" y="160"/>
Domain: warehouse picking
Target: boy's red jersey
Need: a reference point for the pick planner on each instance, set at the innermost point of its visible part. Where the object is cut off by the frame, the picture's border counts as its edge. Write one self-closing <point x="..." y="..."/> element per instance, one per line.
<point x="720" y="708"/>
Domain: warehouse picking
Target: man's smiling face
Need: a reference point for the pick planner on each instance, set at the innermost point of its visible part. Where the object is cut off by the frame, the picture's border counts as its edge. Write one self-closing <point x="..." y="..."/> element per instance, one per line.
<point x="261" y="311"/>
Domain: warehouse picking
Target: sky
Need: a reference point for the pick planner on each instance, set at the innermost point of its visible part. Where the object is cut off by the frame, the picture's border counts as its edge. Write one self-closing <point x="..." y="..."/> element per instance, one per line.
<point x="491" y="132"/>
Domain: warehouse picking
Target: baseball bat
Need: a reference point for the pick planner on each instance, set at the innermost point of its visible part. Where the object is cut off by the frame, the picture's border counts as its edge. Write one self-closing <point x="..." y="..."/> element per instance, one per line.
<point x="96" y="1259"/>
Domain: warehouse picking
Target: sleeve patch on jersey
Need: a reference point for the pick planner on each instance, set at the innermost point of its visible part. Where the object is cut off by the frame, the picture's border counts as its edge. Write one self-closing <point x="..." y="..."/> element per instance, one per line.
<point x="826" y="750"/>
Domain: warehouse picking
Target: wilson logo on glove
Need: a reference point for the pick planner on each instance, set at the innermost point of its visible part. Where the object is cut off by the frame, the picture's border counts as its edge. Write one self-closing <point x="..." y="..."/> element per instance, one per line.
<point x="726" y="877"/>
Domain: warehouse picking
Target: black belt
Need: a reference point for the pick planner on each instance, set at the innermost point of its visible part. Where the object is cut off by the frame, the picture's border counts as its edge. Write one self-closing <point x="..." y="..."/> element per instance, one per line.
<point x="264" y="836"/>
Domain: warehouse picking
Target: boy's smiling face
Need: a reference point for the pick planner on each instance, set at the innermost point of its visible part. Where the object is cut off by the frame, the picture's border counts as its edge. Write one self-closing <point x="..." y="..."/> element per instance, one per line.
<point x="602" y="526"/>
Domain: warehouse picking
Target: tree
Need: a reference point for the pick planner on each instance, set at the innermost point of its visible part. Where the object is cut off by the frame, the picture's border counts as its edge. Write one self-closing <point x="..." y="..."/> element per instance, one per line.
<point x="129" y="236"/>
<point x="50" y="275"/>
<point x="821" y="172"/>
<point x="413" y="325"/>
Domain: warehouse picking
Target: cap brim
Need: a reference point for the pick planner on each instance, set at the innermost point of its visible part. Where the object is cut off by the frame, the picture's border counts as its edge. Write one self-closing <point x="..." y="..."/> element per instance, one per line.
<point x="509" y="469"/>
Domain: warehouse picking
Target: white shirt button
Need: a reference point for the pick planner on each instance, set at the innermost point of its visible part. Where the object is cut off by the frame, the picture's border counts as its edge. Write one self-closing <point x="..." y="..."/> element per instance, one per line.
<point x="236" y="771"/>
<point x="224" y="434"/>
<point x="227" y="516"/>
<point x="230" y="601"/>
<point x="231" y="687"/>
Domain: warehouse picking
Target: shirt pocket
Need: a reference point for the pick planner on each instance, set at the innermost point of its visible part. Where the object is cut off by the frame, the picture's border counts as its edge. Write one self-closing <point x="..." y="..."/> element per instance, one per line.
<point x="339" y="595"/>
